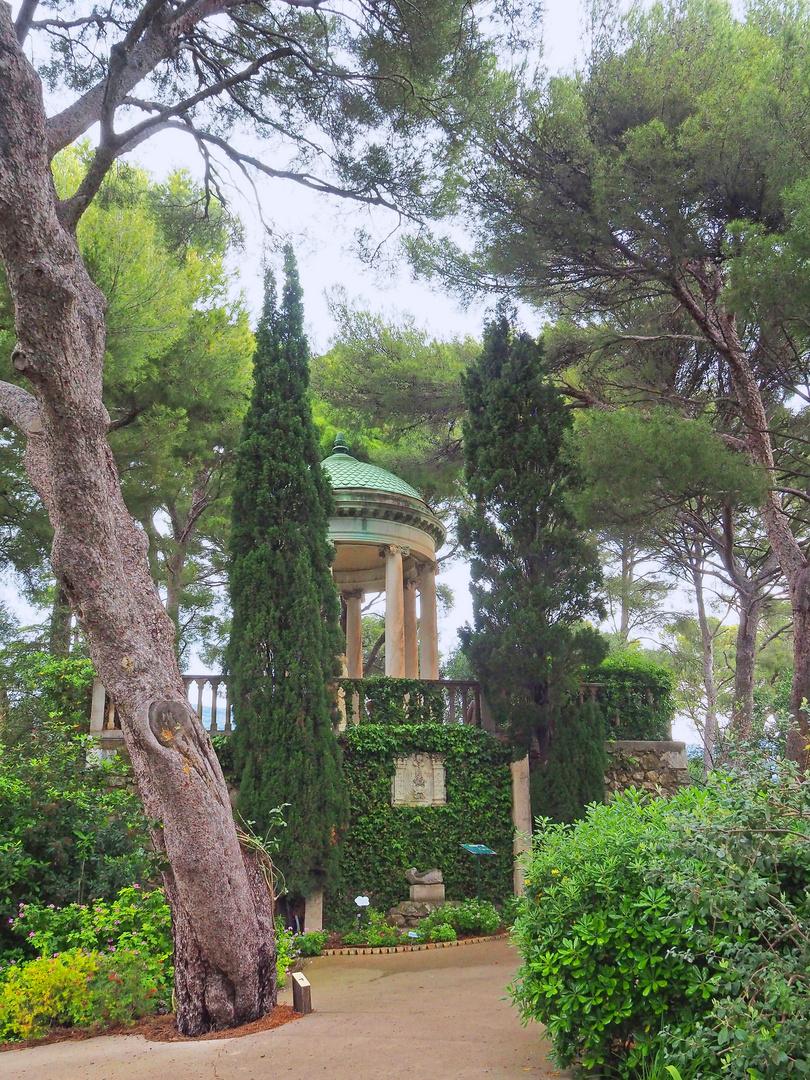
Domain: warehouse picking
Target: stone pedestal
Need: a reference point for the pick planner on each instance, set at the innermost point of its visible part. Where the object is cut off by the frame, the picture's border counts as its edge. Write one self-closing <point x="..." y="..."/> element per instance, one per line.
<point x="427" y="894"/>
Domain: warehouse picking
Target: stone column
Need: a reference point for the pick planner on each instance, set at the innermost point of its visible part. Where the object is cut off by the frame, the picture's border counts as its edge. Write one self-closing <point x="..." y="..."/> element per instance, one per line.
<point x="313" y="912"/>
<point x="354" y="634"/>
<point x="428" y="626"/>
<point x="97" y="704"/>
<point x="522" y="820"/>
<point x="411" y="646"/>
<point x="394" y="612"/>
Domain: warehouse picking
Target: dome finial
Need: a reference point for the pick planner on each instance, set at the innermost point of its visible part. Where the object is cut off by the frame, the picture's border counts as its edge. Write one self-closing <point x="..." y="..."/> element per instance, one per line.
<point x="341" y="446"/>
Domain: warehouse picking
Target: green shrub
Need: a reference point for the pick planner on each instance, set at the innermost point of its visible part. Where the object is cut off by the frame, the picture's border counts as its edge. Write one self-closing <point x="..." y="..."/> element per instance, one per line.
<point x="70" y="828"/>
<point x="132" y="941"/>
<point x="47" y="991"/>
<point x="375" y="932"/>
<point x="470" y="917"/>
<point x="675" y="926"/>
<point x="75" y="988"/>
<point x="310" y="943"/>
<point x="137" y="918"/>
<point x="636" y="696"/>
<point x="442" y="933"/>
<point x="475" y="917"/>
<point x="39" y="688"/>
<point x="287" y="950"/>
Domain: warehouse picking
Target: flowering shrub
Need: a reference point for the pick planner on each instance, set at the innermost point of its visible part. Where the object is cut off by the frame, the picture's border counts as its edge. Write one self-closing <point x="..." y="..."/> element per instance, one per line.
<point x="75" y="988"/>
<point x="375" y="932"/>
<point x="471" y="917"/>
<point x="70" y="827"/>
<point x="137" y="922"/>
<point x="311" y="943"/>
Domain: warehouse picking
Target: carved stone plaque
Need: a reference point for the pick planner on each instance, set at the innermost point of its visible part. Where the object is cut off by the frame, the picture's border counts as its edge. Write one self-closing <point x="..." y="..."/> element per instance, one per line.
<point x="419" y="781"/>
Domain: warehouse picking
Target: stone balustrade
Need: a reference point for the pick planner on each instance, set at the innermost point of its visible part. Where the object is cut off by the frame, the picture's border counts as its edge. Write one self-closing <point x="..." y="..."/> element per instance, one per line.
<point x="459" y="699"/>
<point x="209" y="696"/>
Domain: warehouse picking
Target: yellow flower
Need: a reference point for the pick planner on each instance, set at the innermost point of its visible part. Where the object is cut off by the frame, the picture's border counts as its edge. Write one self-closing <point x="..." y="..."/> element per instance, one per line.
<point x="555" y="871"/>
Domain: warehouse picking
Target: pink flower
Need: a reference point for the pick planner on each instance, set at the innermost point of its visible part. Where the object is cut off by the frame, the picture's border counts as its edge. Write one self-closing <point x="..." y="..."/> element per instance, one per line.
<point x="31" y="934"/>
<point x="136" y="886"/>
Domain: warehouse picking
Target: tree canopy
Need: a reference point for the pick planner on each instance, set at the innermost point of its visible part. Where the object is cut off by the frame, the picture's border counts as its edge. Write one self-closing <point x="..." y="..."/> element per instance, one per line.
<point x="535" y="576"/>
<point x="655" y="199"/>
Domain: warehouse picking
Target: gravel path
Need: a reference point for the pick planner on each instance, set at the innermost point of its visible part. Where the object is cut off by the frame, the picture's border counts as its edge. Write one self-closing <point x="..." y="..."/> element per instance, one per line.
<point x="435" y="1015"/>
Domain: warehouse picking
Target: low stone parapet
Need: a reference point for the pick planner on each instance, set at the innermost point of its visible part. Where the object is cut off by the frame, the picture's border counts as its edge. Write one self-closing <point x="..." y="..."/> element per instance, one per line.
<point x="650" y="766"/>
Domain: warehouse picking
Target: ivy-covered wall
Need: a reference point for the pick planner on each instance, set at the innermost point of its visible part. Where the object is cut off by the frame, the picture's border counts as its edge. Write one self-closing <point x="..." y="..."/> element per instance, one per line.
<point x="382" y="840"/>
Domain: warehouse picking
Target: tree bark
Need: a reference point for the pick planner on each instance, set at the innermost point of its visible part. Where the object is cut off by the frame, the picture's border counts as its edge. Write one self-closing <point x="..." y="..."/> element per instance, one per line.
<point x="719" y="328"/>
<point x="628" y="565"/>
<point x="742" y="709"/>
<point x="221" y="907"/>
<point x="707" y="660"/>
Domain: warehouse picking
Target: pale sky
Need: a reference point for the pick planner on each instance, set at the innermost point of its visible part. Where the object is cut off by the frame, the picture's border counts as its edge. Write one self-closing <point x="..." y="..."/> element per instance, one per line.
<point x="322" y="230"/>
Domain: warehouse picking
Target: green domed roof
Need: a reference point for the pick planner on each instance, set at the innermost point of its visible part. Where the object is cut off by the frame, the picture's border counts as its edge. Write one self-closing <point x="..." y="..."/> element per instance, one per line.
<point x="344" y="471"/>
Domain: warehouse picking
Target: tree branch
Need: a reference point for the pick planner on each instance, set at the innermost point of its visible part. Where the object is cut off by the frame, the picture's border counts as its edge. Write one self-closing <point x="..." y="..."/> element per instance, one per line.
<point x="24" y="19"/>
<point x="19" y="408"/>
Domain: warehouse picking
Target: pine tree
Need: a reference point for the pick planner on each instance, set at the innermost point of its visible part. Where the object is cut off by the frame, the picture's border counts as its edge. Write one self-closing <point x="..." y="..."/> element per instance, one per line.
<point x="574" y="773"/>
<point x="535" y="577"/>
<point x="285" y="636"/>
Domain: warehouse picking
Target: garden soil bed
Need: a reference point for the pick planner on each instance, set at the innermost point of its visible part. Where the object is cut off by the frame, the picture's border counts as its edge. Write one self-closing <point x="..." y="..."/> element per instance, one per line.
<point x="158" y="1029"/>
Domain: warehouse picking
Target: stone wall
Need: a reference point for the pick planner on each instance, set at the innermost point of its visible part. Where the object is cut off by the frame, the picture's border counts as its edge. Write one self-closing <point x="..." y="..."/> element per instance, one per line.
<point x="651" y="766"/>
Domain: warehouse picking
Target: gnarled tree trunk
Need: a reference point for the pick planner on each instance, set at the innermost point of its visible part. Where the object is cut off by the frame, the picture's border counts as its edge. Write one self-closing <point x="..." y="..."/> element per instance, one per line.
<point x="221" y="908"/>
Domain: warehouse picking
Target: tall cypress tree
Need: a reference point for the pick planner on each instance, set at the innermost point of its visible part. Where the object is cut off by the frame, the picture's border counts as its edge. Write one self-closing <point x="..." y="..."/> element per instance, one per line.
<point x="535" y="576"/>
<point x="285" y="637"/>
<point x="574" y="773"/>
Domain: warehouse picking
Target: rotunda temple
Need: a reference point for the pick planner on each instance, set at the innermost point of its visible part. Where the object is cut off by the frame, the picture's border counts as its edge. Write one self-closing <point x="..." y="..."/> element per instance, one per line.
<point x="386" y="538"/>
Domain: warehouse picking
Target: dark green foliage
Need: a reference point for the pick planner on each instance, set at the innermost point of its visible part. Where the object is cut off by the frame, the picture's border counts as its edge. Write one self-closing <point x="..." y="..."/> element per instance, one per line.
<point x="573" y="775"/>
<point x="382" y="840"/>
<point x="676" y="926"/>
<point x="285" y="636"/>
<point x="395" y="701"/>
<point x="71" y="826"/>
<point x="535" y="577"/>
<point x="636" y="695"/>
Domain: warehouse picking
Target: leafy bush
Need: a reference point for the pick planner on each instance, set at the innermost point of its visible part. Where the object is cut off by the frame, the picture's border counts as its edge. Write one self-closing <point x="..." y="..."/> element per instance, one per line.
<point x="74" y="988"/>
<point x="636" y="696"/>
<point x="71" y="826"/>
<point x="376" y="932"/>
<point x="676" y="925"/>
<point x="137" y="922"/>
<point x="287" y="951"/>
<point x="442" y="933"/>
<point x="470" y="917"/>
<point x="311" y="943"/>
<point x="131" y="941"/>
<point x="39" y="688"/>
